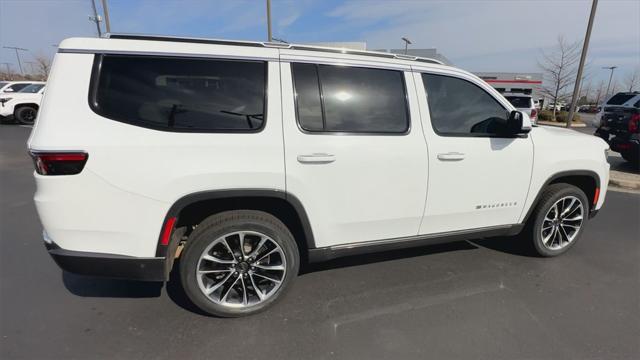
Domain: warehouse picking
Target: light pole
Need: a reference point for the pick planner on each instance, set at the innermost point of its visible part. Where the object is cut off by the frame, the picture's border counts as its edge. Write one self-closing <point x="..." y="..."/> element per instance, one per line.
<point x="105" y="9"/>
<point x="406" y="44"/>
<point x="610" y="77"/>
<point x="269" y="21"/>
<point x="583" y="57"/>
<point x="17" y="55"/>
<point x="96" y="18"/>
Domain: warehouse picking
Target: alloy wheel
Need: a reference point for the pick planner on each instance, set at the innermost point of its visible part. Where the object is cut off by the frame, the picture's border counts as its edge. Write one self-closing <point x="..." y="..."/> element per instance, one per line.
<point x="241" y="269"/>
<point x="562" y="223"/>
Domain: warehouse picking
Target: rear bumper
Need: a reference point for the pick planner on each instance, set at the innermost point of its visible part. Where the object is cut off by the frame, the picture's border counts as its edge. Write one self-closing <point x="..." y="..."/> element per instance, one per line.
<point x="108" y="265"/>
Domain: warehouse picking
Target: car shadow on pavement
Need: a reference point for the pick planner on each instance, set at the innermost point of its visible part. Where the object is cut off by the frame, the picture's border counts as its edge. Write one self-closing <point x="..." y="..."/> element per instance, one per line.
<point x="513" y="245"/>
<point x="357" y="260"/>
<point x="87" y="286"/>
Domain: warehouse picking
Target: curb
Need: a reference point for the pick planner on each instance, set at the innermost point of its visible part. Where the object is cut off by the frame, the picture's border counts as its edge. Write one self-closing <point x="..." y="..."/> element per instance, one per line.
<point x="626" y="184"/>
<point x="561" y="124"/>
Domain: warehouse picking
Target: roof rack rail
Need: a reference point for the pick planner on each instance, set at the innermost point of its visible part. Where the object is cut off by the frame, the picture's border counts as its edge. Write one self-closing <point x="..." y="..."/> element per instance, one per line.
<point x="269" y="45"/>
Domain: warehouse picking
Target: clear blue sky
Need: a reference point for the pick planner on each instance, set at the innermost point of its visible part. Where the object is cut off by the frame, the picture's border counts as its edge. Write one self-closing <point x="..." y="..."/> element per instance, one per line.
<point x="475" y="35"/>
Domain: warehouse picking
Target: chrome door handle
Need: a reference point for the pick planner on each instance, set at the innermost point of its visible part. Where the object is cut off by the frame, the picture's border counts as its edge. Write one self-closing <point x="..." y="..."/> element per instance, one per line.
<point x="316" y="158"/>
<point x="451" y="156"/>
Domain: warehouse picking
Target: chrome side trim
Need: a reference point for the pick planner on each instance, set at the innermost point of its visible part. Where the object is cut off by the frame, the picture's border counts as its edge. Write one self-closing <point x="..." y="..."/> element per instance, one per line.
<point x="418" y="237"/>
<point x="337" y="251"/>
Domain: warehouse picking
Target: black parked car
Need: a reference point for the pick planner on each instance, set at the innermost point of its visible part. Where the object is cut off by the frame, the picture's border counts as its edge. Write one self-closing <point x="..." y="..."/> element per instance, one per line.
<point x="620" y="125"/>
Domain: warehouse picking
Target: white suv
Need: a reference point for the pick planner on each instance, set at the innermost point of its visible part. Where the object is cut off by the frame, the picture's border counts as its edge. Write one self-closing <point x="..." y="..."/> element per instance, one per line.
<point x="524" y="103"/>
<point x="22" y="106"/>
<point x="244" y="159"/>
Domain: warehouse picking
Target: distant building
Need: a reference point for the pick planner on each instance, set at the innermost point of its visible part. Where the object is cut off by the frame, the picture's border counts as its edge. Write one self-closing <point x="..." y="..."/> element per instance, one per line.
<point x="524" y="83"/>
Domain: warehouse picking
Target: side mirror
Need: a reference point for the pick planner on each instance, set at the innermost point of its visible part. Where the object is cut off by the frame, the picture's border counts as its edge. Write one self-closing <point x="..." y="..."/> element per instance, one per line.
<point x="517" y="124"/>
<point x="9" y="90"/>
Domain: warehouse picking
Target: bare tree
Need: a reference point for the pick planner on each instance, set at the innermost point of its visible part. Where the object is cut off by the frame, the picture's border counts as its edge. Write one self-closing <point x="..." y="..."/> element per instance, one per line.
<point x="43" y="66"/>
<point x="633" y="79"/>
<point x="559" y="67"/>
<point x="600" y="92"/>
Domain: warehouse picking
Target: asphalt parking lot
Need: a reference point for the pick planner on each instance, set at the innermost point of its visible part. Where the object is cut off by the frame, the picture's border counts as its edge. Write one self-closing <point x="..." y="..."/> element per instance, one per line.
<point x="482" y="299"/>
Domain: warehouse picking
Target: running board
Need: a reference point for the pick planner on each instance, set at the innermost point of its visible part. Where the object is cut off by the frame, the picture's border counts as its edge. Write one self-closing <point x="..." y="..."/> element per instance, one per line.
<point x="366" y="247"/>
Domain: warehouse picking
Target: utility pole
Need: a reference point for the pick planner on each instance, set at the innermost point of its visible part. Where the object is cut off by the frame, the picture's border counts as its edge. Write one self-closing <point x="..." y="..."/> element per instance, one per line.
<point x="406" y="44"/>
<point x="610" y="77"/>
<point x="17" y="55"/>
<point x="269" y="21"/>
<point x="583" y="57"/>
<point x="105" y="9"/>
<point x="96" y="18"/>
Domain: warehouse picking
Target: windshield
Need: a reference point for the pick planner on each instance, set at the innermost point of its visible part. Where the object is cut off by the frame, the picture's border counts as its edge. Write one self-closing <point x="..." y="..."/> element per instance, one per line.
<point x="619" y="99"/>
<point x="520" y="101"/>
<point x="33" y="88"/>
<point x="2" y="84"/>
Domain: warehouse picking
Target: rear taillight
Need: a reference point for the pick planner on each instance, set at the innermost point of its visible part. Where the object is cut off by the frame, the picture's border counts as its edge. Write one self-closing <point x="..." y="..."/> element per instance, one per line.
<point x="534" y="113"/>
<point x="59" y="163"/>
<point x="634" y="123"/>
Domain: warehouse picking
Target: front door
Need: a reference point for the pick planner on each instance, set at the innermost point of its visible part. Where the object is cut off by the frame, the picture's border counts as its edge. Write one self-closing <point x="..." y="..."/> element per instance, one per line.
<point x="355" y="154"/>
<point x="478" y="176"/>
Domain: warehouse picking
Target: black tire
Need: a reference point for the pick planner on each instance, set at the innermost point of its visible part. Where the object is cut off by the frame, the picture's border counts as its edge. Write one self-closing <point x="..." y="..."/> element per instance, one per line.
<point x="25" y="115"/>
<point x="631" y="157"/>
<point x="549" y="197"/>
<point x="224" y="223"/>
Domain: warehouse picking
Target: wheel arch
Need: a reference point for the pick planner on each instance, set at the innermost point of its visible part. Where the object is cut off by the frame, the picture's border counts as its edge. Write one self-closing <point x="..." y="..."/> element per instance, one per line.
<point x="191" y="209"/>
<point x="586" y="180"/>
<point x="21" y="105"/>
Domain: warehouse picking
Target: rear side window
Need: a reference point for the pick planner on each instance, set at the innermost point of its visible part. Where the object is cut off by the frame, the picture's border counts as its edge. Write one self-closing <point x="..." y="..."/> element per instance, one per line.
<point x="460" y="108"/>
<point x="519" y="101"/>
<point x="619" y="99"/>
<point x="180" y="94"/>
<point x="350" y="99"/>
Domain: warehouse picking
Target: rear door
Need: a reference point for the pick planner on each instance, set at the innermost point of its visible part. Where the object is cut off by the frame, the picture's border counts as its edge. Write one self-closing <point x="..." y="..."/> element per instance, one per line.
<point x="355" y="154"/>
<point x="477" y="177"/>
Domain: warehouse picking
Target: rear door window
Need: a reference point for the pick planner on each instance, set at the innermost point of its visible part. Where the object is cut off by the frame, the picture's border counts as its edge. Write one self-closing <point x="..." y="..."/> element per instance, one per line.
<point x="181" y="94"/>
<point x="333" y="98"/>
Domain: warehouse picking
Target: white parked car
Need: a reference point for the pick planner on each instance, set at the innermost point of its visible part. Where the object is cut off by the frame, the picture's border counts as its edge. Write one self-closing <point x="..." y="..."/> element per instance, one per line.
<point x="524" y="103"/>
<point x="23" y="105"/>
<point x="246" y="158"/>
<point x="7" y="87"/>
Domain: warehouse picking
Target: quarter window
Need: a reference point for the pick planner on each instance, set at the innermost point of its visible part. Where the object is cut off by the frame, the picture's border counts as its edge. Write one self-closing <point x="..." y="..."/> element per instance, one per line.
<point x="460" y="108"/>
<point x="181" y="94"/>
<point x="350" y="99"/>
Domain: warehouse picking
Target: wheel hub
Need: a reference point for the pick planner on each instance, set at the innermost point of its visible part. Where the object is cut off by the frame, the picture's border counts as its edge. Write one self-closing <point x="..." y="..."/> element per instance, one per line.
<point x="243" y="267"/>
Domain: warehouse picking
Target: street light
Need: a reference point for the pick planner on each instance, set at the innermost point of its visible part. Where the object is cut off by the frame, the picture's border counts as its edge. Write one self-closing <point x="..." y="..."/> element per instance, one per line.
<point x="17" y="55"/>
<point x="610" y="76"/>
<point x="96" y="18"/>
<point x="406" y="44"/>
